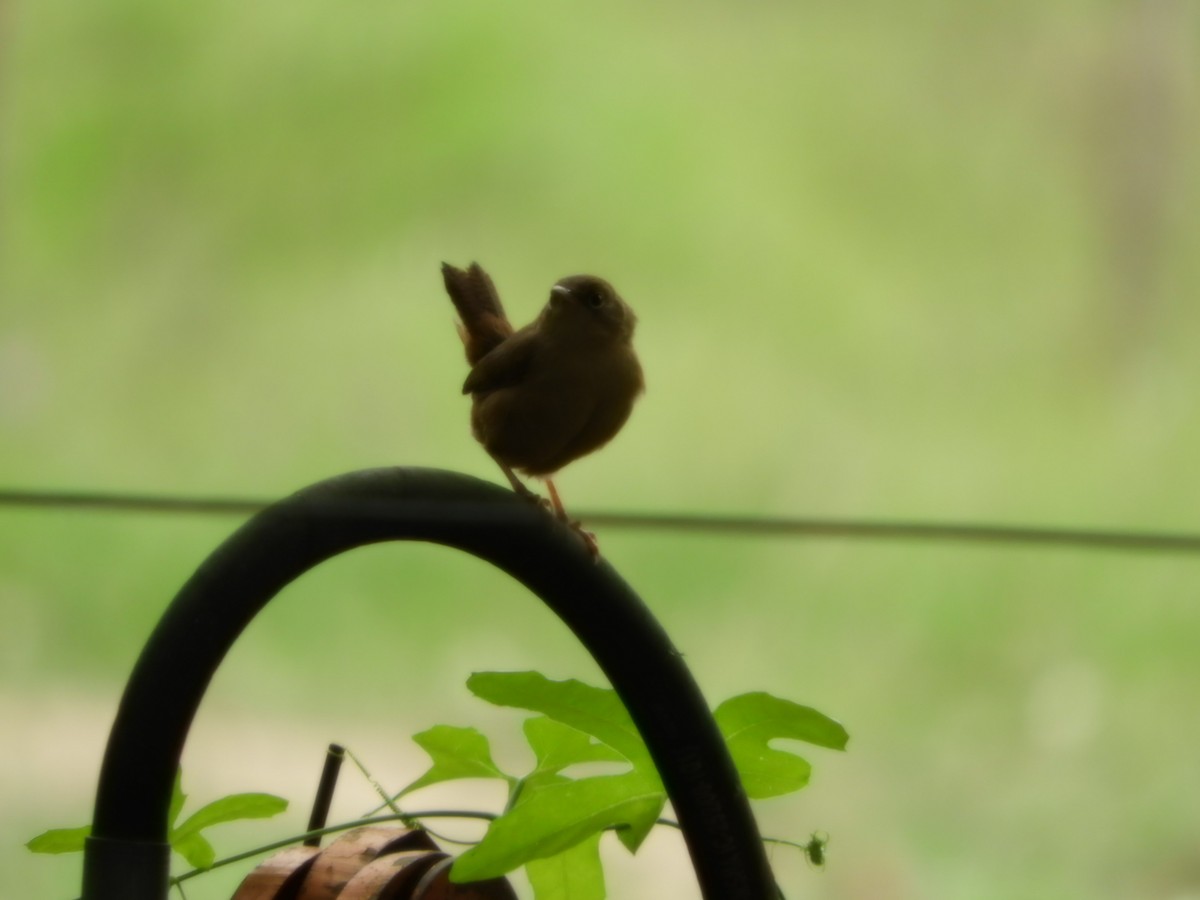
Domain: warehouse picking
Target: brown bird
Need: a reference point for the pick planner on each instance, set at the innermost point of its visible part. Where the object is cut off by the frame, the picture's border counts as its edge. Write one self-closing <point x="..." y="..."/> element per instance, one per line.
<point x="553" y="391"/>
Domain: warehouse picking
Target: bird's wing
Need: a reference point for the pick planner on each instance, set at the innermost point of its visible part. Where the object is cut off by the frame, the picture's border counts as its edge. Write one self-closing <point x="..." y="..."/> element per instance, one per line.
<point x="505" y="366"/>
<point x="484" y="323"/>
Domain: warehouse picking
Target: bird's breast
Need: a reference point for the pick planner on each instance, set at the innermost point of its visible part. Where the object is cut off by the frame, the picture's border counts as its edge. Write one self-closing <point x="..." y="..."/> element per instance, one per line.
<point x="566" y="406"/>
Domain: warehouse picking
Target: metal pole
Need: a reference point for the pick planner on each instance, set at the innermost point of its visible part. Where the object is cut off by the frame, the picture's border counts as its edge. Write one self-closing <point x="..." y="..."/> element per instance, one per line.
<point x="127" y="856"/>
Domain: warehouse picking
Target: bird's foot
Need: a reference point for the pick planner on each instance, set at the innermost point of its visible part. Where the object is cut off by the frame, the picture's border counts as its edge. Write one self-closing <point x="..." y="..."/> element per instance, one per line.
<point x="560" y="512"/>
<point x="589" y="540"/>
<point x="535" y="498"/>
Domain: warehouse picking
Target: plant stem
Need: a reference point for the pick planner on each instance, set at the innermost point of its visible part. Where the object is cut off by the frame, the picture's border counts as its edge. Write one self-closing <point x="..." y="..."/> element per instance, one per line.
<point x="332" y="829"/>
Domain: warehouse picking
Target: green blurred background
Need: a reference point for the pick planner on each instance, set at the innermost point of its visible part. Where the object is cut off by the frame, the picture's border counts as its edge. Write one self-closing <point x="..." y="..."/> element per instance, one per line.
<point x="926" y="260"/>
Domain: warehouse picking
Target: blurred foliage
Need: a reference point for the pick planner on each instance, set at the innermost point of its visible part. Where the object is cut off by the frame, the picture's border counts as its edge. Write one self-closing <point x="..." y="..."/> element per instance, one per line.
<point x="919" y="260"/>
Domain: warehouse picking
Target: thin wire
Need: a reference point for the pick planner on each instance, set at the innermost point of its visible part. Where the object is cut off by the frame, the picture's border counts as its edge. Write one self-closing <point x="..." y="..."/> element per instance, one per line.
<point x="854" y="529"/>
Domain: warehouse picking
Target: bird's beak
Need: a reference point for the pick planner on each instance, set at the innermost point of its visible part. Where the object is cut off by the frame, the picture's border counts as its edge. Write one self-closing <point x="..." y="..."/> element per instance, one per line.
<point x="559" y="293"/>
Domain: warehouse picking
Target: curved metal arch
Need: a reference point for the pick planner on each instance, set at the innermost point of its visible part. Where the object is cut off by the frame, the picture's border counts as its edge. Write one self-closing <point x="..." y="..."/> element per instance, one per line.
<point x="127" y="856"/>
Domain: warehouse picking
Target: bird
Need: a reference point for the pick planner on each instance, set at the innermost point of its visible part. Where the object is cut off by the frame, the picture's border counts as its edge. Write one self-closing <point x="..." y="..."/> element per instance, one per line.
<point x="553" y="391"/>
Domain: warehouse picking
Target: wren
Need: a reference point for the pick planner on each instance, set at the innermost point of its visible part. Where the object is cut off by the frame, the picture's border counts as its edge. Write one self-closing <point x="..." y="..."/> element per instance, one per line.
<point x="553" y="391"/>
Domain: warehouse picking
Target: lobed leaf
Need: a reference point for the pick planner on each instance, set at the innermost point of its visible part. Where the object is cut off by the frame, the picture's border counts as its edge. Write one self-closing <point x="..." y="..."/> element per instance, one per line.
<point x="552" y="818"/>
<point x="598" y="712"/>
<point x="750" y="721"/>
<point x="557" y="746"/>
<point x="195" y="848"/>
<point x="60" y="840"/>
<point x="456" y="753"/>
<point x="574" y="874"/>
<point x="185" y="839"/>
<point x="178" y="798"/>
<point x="229" y="809"/>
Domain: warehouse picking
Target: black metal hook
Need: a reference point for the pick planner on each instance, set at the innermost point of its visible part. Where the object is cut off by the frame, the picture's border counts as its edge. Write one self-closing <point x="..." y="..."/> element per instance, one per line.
<point x="127" y="857"/>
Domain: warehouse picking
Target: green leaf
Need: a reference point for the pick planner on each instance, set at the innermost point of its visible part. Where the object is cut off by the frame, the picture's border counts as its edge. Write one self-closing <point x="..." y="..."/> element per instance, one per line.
<point x="750" y="721"/>
<point x="228" y="809"/>
<point x="456" y="753"/>
<point x="60" y="840"/>
<point x="195" y="849"/>
<point x="595" y="711"/>
<point x="555" y="817"/>
<point x="178" y="798"/>
<point x="574" y="874"/>
<point x="186" y="839"/>
<point x="557" y="746"/>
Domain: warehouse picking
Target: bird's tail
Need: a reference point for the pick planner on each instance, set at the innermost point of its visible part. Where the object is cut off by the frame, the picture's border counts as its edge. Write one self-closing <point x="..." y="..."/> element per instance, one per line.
<point x="483" y="323"/>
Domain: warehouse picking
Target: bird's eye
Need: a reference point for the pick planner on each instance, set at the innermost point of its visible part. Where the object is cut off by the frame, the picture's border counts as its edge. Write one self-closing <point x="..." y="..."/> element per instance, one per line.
<point x="594" y="297"/>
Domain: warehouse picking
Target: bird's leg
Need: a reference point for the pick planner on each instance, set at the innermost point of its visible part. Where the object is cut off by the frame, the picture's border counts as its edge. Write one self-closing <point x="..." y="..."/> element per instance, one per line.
<point x="556" y="503"/>
<point x="521" y="490"/>
<point x="560" y="511"/>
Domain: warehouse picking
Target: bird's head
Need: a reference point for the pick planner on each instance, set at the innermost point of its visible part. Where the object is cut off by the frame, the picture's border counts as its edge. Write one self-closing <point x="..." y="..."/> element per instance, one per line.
<point x="585" y="304"/>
